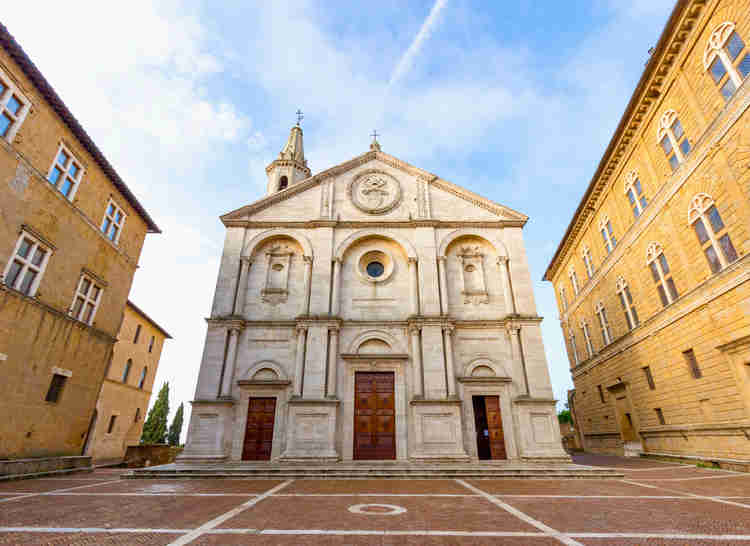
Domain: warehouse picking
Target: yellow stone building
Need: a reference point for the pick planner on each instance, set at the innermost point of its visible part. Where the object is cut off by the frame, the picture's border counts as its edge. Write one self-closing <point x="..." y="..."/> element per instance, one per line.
<point x="71" y="234"/>
<point x="129" y="381"/>
<point x="652" y="275"/>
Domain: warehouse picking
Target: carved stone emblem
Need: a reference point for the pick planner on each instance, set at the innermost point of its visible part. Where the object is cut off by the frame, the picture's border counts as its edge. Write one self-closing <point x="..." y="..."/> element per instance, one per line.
<point x="375" y="192"/>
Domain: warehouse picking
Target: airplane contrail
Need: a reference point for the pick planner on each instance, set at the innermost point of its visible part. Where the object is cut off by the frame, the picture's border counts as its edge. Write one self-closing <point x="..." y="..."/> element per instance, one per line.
<point x="424" y="33"/>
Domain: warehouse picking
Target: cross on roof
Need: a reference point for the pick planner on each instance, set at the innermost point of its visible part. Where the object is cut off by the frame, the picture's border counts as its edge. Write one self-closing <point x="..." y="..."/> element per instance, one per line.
<point x="374" y="135"/>
<point x="300" y="116"/>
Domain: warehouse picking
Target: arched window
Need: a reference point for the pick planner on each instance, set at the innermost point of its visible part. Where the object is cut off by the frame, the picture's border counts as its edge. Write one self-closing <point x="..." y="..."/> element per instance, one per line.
<point x="563" y="299"/>
<point x="573" y="279"/>
<point x="605" y="227"/>
<point x="724" y="58"/>
<point x="634" y="191"/>
<point x="661" y="273"/>
<point x="587" y="337"/>
<point x="601" y="312"/>
<point x="137" y="415"/>
<point x="126" y="372"/>
<point x="711" y="231"/>
<point x="588" y="263"/>
<point x="142" y="380"/>
<point x="573" y="348"/>
<point x="283" y="183"/>
<point x="626" y="301"/>
<point x="671" y="136"/>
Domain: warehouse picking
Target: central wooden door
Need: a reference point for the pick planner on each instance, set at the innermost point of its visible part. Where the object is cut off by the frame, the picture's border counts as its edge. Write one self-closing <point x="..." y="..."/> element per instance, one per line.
<point x="374" y="416"/>
<point x="261" y="413"/>
<point x="489" y="426"/>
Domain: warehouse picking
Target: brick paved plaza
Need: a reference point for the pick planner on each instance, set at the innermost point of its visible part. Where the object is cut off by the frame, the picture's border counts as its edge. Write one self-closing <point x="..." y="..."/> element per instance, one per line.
<point x="655" y="503"/>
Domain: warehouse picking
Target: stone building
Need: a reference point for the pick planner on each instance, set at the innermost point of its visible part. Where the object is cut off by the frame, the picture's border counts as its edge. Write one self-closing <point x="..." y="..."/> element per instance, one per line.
<point x="372" y="311"/>
<point x="652" y="273"/>
<point x="128" y="383"/>
<point x="71" y="233"/>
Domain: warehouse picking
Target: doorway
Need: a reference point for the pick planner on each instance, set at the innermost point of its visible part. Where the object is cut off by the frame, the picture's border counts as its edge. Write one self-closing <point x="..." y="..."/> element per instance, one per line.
<point x="488" y="424"/>
<point x="374" y="416"/>
<point x="261" y="414"/>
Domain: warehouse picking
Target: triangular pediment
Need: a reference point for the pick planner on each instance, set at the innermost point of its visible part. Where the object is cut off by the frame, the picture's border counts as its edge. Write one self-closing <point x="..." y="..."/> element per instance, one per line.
<point x="313" y="199"/>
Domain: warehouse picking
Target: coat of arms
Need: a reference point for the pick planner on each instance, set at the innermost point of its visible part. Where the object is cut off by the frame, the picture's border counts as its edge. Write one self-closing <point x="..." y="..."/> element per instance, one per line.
<point x="375" y="192"/>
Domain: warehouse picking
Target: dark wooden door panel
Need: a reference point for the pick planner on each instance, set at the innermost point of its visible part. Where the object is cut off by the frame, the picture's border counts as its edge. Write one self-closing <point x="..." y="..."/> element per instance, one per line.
<point x="495" y="427"/>
<point x="374" y="416"/>
<point x="261" y="413"/>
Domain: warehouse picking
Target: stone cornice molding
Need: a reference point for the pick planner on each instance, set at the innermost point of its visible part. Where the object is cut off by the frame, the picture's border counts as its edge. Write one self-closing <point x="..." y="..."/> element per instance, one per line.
<point x="363" y="159"/>
<point x="374" y="356"/>
<point x="667" y="54"/>
<point x="374" y="223"/>
<point x="699" y="296"/>
<point x="484" y="380"/>
<point x="700" y="153"/>
<point x="288" y="163"/>
<point x="735" y="345"/>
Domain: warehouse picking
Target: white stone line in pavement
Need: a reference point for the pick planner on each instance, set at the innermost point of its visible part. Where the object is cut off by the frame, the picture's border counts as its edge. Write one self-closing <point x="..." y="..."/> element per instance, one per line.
<point x="686" y="479"/>
<point x="373" y="495"/>
<point x="520" y="515"/>
<point x="27" y="495"/>
<point x="189" y="537"/>
<point x="364" y="532"/>
<point x="691" y="495"/>
<point x="625" y="469"/>
<point x="592" y="496"/>
<point x="143" y="494"/>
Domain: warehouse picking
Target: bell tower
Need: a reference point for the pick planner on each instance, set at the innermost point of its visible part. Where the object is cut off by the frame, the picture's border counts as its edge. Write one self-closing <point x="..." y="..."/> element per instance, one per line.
<point x="291" y="166"/>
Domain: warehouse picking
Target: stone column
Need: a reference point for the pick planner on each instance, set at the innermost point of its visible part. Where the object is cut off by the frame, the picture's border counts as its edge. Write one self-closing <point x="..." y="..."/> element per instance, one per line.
<point x="239" y="300"/>
<point x="518" y="346"/>
<point x="442" y="264"/>
<point x="299" y="362"/>
<point x="510" y="303"/>
<point x="336" y="286"/>
<point x="448" y="336"/>
<point x="417" y="360"/>
<point x="308" y="284"/>
<point x="333" y="359"/>
<point x="414" y="286"/>
<point x="226" y="384"/>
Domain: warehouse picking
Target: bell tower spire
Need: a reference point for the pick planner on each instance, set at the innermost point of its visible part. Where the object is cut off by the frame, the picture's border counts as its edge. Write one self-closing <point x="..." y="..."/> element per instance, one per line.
<point x="291" y="166"/>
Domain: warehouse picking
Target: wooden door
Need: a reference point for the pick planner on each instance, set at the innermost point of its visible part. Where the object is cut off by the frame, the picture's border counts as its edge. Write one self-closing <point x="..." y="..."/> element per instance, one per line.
<point x="261" y="413"/>
<point x="495" y="427"/>
<point x="374" y="416"/>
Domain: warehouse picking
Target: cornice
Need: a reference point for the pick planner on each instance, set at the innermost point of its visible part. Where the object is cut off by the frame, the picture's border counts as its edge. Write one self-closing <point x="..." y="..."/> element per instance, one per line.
<point x="649" y="89"/>
<point x="361" y="224"/>
<point x="338" y="323"/>
<point x="704" y="149"/>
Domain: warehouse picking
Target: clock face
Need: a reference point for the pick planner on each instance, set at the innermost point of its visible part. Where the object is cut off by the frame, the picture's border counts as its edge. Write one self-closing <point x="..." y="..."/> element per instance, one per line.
<point x="375" y="192"/>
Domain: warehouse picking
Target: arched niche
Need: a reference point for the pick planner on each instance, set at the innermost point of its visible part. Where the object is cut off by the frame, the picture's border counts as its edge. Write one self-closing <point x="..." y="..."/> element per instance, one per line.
<point x="360" y="235"/>
<point x="498" y="246"/>
<point x="278" y="233"/>
<point x="368" y="342"/>
<point x="266" y="370"/>
<point x="485" y="368"/>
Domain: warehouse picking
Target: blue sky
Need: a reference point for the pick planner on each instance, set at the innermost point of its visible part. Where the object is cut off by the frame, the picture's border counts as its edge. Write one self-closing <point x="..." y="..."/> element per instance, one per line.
<point x="190" y="100"/>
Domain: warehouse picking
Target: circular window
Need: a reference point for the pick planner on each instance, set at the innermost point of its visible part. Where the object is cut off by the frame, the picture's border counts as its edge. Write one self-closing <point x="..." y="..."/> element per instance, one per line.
<point x="277" y="267"/>
<point x="375" y="269"/>
<point x="469" y="268"/>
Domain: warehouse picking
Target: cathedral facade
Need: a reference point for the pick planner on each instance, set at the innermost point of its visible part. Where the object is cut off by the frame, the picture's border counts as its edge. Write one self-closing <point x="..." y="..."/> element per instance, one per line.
<point x="372" y="311"/>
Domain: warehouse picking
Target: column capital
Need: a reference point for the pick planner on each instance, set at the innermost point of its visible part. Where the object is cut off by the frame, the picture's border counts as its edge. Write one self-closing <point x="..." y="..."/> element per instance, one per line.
<point x="246" y="260"/>
<point x="442" y="258"/>
<point x="412" y="260"/>
<point x="502" y="260"/>
<point x="415" y="328"/>
<point x="234" y="330"/>
<point x="300" y="328"/>
<point x="449" y="329"/>
<point x="307" y="259"/>
<point x="333" y="330"/>
<point x="337" y="260"/>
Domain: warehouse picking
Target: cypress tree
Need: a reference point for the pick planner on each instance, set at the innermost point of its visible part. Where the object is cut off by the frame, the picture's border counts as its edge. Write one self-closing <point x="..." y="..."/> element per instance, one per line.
<point x="155" y="427"/>
<point x="175" y="429"/>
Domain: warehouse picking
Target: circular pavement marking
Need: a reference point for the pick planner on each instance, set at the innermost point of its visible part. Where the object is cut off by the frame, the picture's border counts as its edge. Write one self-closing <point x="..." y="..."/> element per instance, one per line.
<point x="376" y="509"/>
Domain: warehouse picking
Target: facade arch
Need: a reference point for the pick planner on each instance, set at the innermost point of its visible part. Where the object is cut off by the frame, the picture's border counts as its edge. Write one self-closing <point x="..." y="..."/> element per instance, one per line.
<point x="475" y="366"/>
<point x="407" y="247"/>
<point x="261" y="238"/>
<point x="468" y="232"/>
<point x="380" y="335"/>
<point x="259" y="367"/>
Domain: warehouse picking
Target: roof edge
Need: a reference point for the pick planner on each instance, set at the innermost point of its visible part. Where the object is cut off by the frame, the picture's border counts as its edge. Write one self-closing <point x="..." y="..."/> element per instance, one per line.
<point x="149" y="319"/>
<point x="50" y="95"/>
<point x="651" y="65"/>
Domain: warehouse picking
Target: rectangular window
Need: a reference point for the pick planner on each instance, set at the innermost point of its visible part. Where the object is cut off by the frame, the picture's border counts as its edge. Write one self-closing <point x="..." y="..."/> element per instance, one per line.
<point x="137" y="333"/>
<point x="660" y="416"/>
<point x="126" y="371"/>
<point x="588" y="262"/>
<point x="111" y="426"/>
<point x="66" y="173"/>
<point x="137" y="415"/>
<point x="13" y="108"/>
<point x="601" y="393"/>
<point x="649" y="377"/>
<point x="626" y="301"/>
<point x="663" y="279"/>
<point x="25" y="269"/>
<point x="151" y="344"/>
<point x="55" y="388"/>
<point x="86" y="300"/>
<point x="114" y="218"/>
<point x="604" y="326"/>
<point x="692" y="363"/>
